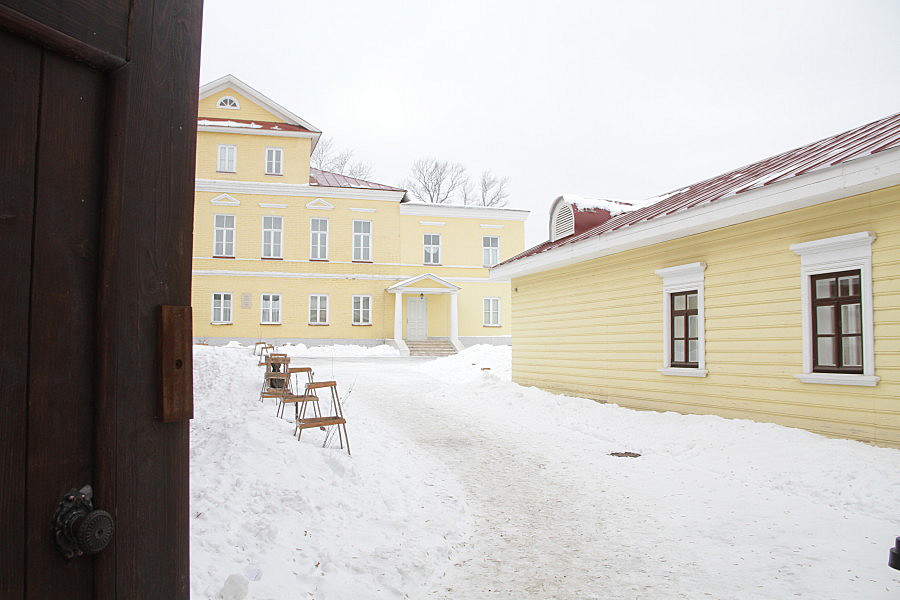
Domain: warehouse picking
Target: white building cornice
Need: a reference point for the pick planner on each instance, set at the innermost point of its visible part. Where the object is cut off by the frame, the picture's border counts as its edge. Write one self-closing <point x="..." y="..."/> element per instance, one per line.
<point x="467" y="212"/>
<point x="294" y="189"/>
<point x="249" y="131"/>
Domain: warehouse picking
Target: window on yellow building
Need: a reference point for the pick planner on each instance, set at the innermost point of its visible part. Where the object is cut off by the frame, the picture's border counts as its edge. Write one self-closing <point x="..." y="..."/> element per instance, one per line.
<point x="491" y="250"/>
<point x="274" y="161"/>
<point x="362" y="241"/>
<point x="491" y="312"/>
<point x="432" y="244"/>
<point x="223" y="237"/>
<point x="362" y="310"/>
<point x="227" y="158"/>
<point x="837" y="322"/>
<point x="318" y="309"/>
<point x="221" y="308"/>
<point x="318" y="239"/>
<point x="684" y="338"/>
<point x="272" y="234"/>
<point x="228" y="102"/>
<point x="684" y="329"/>
<point x="270" y="309"/>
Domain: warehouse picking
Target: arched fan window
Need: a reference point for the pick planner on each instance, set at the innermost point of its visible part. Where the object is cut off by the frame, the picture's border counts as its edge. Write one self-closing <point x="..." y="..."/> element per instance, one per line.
<point x="563" y="221"/>
<point x="227" y="102"/>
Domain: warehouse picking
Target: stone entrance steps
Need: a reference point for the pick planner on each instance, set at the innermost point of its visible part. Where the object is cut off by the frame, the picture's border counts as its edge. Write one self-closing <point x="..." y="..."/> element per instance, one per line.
<point x="430" y="348"/>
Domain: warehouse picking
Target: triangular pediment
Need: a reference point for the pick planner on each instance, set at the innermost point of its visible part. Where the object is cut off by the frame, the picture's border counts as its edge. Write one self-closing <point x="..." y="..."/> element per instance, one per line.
<point x="225" y="199"/>
<point x="320" y="204"/>
<point x="425" y="283"/>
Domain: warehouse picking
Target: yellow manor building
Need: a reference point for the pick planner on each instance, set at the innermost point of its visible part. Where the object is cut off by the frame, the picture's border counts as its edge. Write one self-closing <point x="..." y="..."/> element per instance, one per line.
<point x="287" y="253"/>
<point x="770" y="292"/>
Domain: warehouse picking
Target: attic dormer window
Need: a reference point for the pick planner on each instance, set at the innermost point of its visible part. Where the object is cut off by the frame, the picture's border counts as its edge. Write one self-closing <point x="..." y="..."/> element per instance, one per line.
<point x="228" y="102"/>
<point x="563" y="222"/>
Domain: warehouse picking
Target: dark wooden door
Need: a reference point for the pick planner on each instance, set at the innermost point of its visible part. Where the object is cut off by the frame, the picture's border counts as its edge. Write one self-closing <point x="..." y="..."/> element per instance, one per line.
<point x="97" y="139"/>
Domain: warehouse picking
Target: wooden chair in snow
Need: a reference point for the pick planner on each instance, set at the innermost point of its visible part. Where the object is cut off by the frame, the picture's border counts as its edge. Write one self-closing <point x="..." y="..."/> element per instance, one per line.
<point x="295" y="398"/>
<point x="277" y="379"/>
<point x="335" y="419"/>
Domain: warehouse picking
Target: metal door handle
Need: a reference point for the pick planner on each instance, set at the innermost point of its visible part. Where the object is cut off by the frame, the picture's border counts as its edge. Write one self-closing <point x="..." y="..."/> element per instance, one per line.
<point x="77" y="528"/>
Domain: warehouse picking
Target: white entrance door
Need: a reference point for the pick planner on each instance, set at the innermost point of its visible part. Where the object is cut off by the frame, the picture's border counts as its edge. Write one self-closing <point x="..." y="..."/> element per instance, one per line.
<point x="416" y="318"/>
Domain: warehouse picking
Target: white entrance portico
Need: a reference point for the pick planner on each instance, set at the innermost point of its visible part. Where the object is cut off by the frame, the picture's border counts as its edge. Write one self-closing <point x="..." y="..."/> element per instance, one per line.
<point x="416" y="310"/>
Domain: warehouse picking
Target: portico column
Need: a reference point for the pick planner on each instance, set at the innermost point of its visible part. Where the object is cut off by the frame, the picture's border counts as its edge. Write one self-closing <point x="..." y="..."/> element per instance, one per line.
<point x="454" y="315"/>
<point x="398" y="316"/>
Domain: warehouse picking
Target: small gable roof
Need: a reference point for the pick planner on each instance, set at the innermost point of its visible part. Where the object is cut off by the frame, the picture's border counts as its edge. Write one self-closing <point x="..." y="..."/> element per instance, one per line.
<point x="832" y="151"/>
<point x="409" y="285"/>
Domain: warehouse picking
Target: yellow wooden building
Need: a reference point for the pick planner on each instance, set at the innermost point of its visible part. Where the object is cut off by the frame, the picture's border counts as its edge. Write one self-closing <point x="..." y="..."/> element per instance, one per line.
<point x="287" y="253"/>
<point x="771" y="292"/>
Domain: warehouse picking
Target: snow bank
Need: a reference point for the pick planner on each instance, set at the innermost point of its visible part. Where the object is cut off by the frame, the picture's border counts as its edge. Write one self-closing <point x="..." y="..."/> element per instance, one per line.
<point x="481" y="361"/>
<point x="342" y="351"/>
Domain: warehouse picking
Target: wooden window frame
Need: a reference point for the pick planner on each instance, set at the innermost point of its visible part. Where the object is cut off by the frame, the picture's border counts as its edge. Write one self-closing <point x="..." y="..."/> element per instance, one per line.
<point x="223" y="243"/>
<point x="362" y="242"/>
<point x="365" y="312"/>
<point x="271" y="244"/>
<point x="222" y="159"/>
<point x="838" y="336"/>
<point x="274" y="305"/>
<point x="318" y="249"/>
<point x="318" y="309"/>
<point x="436" y="255"/>
<point x="683" y="278"/>
<point x="221" y="103"/>
<point x="490" y="254"/>
<point x="274" y="160"/>
<point x="222" y="308"/>
<point x="684" y="315"/>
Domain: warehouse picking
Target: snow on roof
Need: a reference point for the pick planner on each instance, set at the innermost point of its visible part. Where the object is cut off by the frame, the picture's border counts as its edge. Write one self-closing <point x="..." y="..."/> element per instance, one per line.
<point x="614" y="207"/>
<point x="244" y="124"/>
<point x="857" y="143"/>
<point x="329" y="179"/>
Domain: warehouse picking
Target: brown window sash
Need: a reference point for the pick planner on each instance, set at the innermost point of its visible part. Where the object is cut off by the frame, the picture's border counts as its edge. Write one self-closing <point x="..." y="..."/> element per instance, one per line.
<point x="682" y="316"/>
<point x="833" y="299"/>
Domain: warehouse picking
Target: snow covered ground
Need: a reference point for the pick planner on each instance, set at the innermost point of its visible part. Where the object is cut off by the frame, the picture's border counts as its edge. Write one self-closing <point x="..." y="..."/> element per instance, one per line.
<point x="463" y="485"/>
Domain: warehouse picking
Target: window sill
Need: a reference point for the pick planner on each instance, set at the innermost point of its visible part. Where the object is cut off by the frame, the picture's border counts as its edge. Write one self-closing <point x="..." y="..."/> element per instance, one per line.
<point x="231" y="257"/>
<point x="361" y="324"/>
<point x="275" y="174"/>
<point x="367" y="262"/>
<point x="683" y="372"/>
<point x="497" y="325"/>
<point x="318" y="260"/>
<point x="270" y="323"/>
<point x="229" y="172"/>
<point x="318" y="324"/>
<point x="222" y="323"/>
<point x="839" y="379"/>
<point x="432" y="264"/>
<point x="271" y="258"/>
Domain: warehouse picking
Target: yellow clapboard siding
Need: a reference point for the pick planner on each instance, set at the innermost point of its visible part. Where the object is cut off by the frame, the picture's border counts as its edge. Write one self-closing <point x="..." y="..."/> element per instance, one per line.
<point x="595" y="328"/>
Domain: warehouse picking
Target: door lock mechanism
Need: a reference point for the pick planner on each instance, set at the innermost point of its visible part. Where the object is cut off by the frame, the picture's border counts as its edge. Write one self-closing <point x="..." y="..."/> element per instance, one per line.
<point x="77" y="528"/>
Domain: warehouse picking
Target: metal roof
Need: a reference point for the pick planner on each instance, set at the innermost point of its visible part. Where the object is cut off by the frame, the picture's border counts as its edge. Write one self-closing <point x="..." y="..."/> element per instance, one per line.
<point x="862" y="141"/>
<point x="329" y="179"/>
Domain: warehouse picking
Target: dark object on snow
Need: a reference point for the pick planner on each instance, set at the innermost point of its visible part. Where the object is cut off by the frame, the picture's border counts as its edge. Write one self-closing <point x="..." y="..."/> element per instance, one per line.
<point x="894" y="560"/>
<point x="624" y="454"/>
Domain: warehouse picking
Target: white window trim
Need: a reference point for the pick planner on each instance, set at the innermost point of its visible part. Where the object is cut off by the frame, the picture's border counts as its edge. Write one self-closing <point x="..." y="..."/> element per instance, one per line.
<point x="219" y="161"/>
<point x="261" y="308"/>
<point x="280" y="170"/>
<point x="327" y="309"/>
<point x="498" y="323"/>
<point x="223" y="98"/>
<point x="440" y="249"/>
<point x="683" y="278"/>
<point x="370" y="238"/>
<point x="212" y="308"/>
<point x="369" y="311"/>
<point x="262" y="249"/>
<point x="840" y="253"/>
<point x="483" y="248"/>
<point x="233" y="235"/>
<point x="312" y="236"/>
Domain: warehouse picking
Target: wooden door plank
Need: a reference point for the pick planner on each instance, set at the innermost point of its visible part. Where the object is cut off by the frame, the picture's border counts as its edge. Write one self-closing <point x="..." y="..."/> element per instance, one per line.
<point x="20" y="67"/>
<point x="148" y="217"/>
<point x="63" y="315"/>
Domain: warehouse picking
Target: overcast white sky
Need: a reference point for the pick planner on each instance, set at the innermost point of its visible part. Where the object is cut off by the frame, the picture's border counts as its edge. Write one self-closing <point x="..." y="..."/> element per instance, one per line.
<point x="599" y="98"/>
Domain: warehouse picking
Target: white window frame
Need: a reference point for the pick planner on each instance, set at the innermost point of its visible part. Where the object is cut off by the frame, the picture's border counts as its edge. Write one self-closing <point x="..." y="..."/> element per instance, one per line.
<point x="224" y="161"/>
<point x="223" y="230"/>
<point x="490" y="308"/>
<point x="269" y="247"/>
<point x="683" y="278"/>
<point x="840" y="253"/>
<point x="270" y="309"/>
<point x="362" y="242"/>
<point x="365" y="310"/>
<point x="221" y="103"/>
<point x="274" y="161"/>
<point x="318" y="320"/>
<point x="436" y="257"/>
<point x="490" y="254"/>
<point x="318" y="240"/>
<point x="222" y="308"/>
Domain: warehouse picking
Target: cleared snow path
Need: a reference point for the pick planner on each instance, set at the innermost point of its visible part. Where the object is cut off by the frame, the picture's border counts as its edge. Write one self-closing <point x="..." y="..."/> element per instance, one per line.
<point x="528" y="503"/>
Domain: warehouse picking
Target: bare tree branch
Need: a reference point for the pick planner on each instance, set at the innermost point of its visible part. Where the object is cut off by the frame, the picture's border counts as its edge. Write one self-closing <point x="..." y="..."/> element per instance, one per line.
<point x="326" y="157"/>
<point x="436" y="181"/>
<point x="491" y="191"/>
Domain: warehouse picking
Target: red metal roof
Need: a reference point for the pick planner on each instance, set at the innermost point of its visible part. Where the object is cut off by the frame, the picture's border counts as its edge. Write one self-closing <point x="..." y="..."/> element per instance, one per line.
<point x="857" y="143"/>
<point x="329" y="179"/>
<point x="244" y="124"/>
